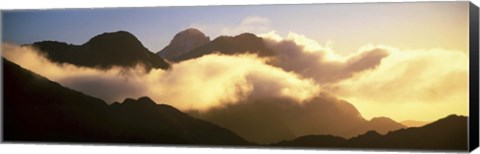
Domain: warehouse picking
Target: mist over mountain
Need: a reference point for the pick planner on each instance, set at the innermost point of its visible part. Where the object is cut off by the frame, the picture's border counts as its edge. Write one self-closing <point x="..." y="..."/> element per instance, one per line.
<point x="230" y="45"/>
<point x="305" y="56"/>
<point x="103" y="51"/>
<point x="279" y="101"/>
<point x="384" y="125"/>
<point x="182" y="43"/>
<point x="143" y="121"/>
<point x="285" y="105"/>
<point x="449" y="133"/>
<point x="41" y="110"/>
<point x="291" y="53"/>
<point x="279" y="119"/>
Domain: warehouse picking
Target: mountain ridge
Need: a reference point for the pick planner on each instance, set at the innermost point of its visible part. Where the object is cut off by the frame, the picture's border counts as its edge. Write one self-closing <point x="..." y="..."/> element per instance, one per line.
<point x="102" y="51"/>
<point x="140" y="115"/>
<point x="230" y="45"/>
<point x="49" y="112"/>
<point x="448" y="133"/>
<point x="183" y="42"/>
<point x="276" y="119"/>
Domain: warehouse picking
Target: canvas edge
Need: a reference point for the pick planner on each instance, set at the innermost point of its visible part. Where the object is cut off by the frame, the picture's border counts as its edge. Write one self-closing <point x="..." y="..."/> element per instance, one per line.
<point x="473" y="131"/>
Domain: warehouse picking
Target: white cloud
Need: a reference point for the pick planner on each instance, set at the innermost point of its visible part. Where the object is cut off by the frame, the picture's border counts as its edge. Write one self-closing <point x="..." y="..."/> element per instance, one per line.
<point x="197" y="84"/>
<point x="423" y="84"/>
<point x="309" y="58"/>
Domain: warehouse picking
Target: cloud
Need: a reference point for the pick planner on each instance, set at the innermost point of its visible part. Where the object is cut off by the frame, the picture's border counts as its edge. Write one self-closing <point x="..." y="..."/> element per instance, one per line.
<point x="270" y="120"/>
<point x="300" y="91"/>
<point x="111" y="85"/>
<point x="381" y="80"/>
<point x="307" y="57"/>
<point x="422" y="84"/>
<point x="260" y="102"/>
<point x="216" y="80"/>
<point x="198" y="84"/>
<point x="251" y="24"/>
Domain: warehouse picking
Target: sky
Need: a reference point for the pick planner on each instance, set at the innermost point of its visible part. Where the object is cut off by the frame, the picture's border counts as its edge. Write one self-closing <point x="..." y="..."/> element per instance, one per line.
<point x="418" y="52"/>
<point x="346" y="26"/>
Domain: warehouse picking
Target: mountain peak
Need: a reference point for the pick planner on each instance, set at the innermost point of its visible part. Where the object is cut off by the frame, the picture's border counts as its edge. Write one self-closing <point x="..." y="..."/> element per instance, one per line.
<point x="455" y="116"/>
<point x="384" y="125"/>
<point x="239" y="37"/>
<point x="146" y="100"/>
<point x="128" y="101"/>
<point x="369" y="135"/>
<point x="142" y="101"/>
<point x="120" y="33"/>
<point x="104" y="51"/>
<point x="183" y="42"/>
<point x="381" y="119"/>
<point x="246" y="35"/>
<point x="230" y="45"/>
<point x="448" y="121"/>
<point x="192" y="31"/>
<point x="116" y="40"/>
<point x="372" y="133"/>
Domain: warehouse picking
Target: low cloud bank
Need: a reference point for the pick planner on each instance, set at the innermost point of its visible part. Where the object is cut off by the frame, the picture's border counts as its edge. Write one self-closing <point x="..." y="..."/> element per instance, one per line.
<point x="198" y="84"/>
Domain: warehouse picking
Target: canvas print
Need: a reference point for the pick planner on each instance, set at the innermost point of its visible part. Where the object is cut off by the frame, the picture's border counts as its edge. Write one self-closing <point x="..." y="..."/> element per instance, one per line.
<point x="392" y="76"/>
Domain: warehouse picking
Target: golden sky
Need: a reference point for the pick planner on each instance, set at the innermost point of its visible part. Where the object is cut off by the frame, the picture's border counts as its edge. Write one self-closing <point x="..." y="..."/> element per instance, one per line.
<point x="425" y="75"/>
<point x="406" y="84"/>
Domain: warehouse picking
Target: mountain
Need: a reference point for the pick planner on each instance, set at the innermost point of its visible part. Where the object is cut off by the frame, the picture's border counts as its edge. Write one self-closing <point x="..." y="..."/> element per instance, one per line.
<point x="449" y="133"/>
<point x="313" y="141"/>
<point x="383" y="125"/>
<point x="281" y="119"/>
<point x="36" y="109"/>
<point x="243" y="43"/>
<point x="103" y="51"/>
<point x="182" y="43"/>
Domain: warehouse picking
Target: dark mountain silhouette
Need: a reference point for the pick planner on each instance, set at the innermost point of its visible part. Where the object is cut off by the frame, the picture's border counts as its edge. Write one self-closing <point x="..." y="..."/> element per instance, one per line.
<point x="280" y="119"/>
<point x="383" y="125"/>
<point x="36" y="109"/>
<point x="243" y="43"/>
<point x="103" y="51"/>
<point x="182" y="43"/>
<point x="314" y="141"/>
<point x="449" y="133"/>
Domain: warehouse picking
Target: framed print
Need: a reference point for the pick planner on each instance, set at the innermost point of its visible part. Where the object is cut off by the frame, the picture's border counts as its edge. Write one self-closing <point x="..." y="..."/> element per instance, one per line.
<point x="397" y="76"/>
